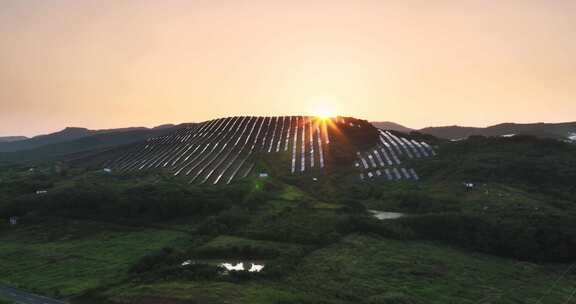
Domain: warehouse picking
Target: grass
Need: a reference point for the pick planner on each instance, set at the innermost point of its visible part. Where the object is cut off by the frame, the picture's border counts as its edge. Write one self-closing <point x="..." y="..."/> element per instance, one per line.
<point x="360" y="267"/>
<point x="367" y="269"/>
<point x="5" y="301"/>
<point x="67" y="258"/>
<point x="212" y="293"/>
<point x="220" y="245"/>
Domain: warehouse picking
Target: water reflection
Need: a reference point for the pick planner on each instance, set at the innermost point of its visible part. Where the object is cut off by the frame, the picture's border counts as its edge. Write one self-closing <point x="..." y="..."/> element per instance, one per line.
<point x="384" y="215"/>
<point x="240" y="266"/>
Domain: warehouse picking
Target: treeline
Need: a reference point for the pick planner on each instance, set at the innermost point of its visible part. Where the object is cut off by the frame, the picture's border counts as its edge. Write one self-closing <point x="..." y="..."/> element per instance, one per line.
<point x="147" y="201"/>
<point x="538" y="239"/>
<point x="545" y="165"/>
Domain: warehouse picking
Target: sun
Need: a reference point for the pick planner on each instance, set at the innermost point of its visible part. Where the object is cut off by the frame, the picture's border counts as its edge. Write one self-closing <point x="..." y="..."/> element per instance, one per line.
<point x="324" y="112"/>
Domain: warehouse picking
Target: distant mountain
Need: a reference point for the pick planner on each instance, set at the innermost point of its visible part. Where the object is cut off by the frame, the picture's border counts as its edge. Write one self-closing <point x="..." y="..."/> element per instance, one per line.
<point x="452" y="132"/>
<point x="87" y="144"/>
<point x="562" y="131"/>
<point x="41" y="140"/>
<point x="118" y="130"/>
<point x="68" y="134"/>
<point x="12" y="138"/>
<point x="164" y="126"/>
<point x="388" y="125"/>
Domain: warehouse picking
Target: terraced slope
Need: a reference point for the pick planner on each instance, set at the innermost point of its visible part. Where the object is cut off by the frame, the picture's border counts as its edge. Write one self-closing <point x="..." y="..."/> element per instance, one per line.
<point x="223" y="150"/>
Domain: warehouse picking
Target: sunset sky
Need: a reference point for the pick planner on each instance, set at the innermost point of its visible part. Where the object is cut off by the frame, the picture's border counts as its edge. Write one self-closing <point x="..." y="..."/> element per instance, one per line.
<point x="105" y="64"/>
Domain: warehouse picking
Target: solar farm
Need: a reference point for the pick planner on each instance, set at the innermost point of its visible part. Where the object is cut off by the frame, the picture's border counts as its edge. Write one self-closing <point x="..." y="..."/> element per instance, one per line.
<point x="225" y="149"/>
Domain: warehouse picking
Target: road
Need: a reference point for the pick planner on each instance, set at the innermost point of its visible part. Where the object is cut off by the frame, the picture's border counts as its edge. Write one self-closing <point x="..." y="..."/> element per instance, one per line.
<point x="22" y="297"/>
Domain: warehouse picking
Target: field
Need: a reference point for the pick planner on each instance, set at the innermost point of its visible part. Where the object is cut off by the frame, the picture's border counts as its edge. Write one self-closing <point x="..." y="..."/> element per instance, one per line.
<point x="66" y="258"/>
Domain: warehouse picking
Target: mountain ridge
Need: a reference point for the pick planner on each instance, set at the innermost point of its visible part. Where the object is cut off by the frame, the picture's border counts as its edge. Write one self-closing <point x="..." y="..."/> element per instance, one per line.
<point x="560" y="131"/>
<point x="4" y="139"/>
<point x="565" y="131"/>
<point x="64" y="135"/>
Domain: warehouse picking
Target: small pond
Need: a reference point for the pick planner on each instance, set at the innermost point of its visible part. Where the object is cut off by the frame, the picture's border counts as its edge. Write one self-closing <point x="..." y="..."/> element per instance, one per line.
<point x="384" y="215"/>
<point x="250" y="266"/>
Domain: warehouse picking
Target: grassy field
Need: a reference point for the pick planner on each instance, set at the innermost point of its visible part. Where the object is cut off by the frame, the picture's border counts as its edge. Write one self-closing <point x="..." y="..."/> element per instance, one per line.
<point x="363" y="268"/>
<point x="367" y="269"/>
<point x="66" y="258"/>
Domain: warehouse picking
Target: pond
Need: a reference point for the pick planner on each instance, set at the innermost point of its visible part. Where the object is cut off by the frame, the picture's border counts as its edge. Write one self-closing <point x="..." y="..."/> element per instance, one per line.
<point x="250" y="266"/>
<point x="384" y="215"/>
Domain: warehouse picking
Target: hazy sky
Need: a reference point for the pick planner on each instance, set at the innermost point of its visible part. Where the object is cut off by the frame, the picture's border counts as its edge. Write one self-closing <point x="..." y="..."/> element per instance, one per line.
<point x="103" y="64"/>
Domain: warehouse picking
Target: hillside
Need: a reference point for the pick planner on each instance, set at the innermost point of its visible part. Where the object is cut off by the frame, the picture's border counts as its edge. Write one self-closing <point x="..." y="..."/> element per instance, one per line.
<point x="228" y="149"/>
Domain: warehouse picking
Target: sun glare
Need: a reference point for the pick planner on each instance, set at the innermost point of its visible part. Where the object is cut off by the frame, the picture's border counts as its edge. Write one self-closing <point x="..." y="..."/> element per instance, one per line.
<point x="324" y="112"/>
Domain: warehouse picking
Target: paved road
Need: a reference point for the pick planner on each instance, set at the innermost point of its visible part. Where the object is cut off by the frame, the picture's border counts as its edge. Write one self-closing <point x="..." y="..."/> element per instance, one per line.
<point x="22" y="297"/>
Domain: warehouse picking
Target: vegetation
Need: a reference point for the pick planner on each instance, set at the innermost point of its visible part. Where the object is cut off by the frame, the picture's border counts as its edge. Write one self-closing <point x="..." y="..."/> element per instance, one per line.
<point x="4" y="301"/>
<point x="95" y="237"/>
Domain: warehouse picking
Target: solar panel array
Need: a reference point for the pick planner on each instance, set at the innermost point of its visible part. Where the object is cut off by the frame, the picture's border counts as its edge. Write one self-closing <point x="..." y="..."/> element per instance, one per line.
<point x="223" y="150"/>
<point x="384" y="160"/>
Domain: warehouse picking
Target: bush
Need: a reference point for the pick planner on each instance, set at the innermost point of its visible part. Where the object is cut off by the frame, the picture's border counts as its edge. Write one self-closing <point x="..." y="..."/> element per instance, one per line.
<point x="152" y="261"/>
<point x="387" y="229"/>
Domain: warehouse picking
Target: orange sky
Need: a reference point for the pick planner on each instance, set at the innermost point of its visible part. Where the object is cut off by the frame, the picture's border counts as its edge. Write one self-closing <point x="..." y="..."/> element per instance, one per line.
<point x="104" y="64"/>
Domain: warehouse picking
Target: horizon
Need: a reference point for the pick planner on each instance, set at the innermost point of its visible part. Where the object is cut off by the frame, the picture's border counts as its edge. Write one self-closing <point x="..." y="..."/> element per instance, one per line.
<point x="179" y="123"/>
<point x="104" y="64"/>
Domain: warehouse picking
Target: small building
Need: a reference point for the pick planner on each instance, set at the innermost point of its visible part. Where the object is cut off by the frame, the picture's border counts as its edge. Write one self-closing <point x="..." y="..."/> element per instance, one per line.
<point x="107" y="170"/>
<point x="41" y="192"/>
<point x="263" y="175"/>
<point x="469" y="185"/>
